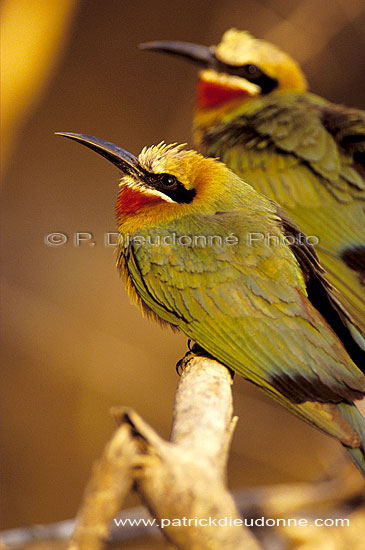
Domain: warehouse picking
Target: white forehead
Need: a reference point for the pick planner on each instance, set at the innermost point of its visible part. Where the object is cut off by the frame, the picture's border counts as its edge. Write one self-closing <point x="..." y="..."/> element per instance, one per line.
<point x="156" y="158"/>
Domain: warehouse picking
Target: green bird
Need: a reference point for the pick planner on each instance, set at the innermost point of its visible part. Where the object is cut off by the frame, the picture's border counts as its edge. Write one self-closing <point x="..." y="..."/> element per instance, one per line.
<point x="254" y="112"/>
<point x="204" y="252"/>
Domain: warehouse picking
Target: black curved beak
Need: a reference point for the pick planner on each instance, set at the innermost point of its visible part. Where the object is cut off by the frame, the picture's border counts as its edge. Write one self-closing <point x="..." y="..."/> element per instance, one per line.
<point x="122" y="159"/>
<point x="201" y="55"/>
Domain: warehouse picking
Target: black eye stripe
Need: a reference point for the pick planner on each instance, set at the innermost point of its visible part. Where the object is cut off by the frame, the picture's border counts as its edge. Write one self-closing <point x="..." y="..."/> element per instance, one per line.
<point x="169" y="185"/>
<point x="250" y="72"/>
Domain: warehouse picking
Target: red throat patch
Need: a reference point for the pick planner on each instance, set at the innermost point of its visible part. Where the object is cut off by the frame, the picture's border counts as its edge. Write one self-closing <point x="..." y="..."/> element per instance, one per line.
<point x="210" y="94"/>
<point x="130" y="201"/>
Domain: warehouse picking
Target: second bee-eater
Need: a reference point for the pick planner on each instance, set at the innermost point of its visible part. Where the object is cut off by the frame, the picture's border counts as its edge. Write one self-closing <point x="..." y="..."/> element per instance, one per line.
<point x="254" y="112"/>
<point x="202" y="251"/>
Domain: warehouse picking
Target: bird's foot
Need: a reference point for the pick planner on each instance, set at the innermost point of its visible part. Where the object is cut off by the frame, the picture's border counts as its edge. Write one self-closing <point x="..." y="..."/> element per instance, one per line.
<point x="194" y="351"/>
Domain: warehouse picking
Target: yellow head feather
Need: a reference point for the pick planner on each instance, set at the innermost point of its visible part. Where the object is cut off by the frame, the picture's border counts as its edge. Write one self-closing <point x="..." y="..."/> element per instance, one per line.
<point x="240" y="48"/>
<point x="172" y="159"/>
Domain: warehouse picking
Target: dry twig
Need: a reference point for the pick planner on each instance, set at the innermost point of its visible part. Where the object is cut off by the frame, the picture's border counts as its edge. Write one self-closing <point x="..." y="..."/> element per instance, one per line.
<point x="182" y="478"/>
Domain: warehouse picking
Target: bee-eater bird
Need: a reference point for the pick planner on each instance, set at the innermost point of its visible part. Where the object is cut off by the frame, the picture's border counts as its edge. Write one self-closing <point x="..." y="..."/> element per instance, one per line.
<point x="254" y="112"/>
<point x="203" y="251"/>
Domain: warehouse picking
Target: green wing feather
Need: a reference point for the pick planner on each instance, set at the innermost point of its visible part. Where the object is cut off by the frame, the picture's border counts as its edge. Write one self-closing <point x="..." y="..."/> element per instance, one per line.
<point x="246" y="304"/>
<point x="309" y="156"/>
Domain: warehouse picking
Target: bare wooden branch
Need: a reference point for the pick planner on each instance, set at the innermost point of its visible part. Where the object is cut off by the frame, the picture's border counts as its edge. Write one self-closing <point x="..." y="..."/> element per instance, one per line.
<point x="181" y="481"/>
<point x="332" y="496"/>
<point x="205" y="387"/>
<point x="110" y="483"/>
<point x="189" y="481"/>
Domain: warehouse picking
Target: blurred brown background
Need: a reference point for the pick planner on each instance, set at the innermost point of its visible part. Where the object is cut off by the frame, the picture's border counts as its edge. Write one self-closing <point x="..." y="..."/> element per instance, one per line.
<point x="73" y="345"/>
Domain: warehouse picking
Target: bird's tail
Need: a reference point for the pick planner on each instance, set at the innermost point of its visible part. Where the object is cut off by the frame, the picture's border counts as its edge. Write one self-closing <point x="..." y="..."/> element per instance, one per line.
<point x="353" y="416"/>
<point x="341" y="420"/>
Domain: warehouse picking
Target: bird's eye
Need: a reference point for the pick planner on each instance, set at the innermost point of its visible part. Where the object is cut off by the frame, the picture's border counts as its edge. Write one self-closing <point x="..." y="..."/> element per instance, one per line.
<point x="168" y="181"/>
<point x="249" y="71"/>
<point x="252" y="69"/>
